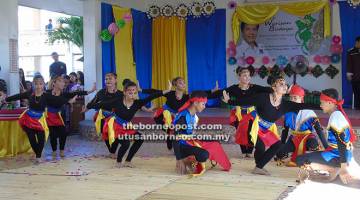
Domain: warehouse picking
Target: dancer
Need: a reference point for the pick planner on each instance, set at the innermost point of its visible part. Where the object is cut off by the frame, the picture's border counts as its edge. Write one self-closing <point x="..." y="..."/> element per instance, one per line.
<point x="302" y="125"/>
<point x="107" y="94"/>
<point x="33" y="120"/>
<point x="336" y="158"/>
<point x="174" y="100"/>
<point x="241" y="117"/>
<point x="187" y="146"/>
<point x="119" y="126"/>
<point x="269" y="108"/>
<point x="57" y="98"/>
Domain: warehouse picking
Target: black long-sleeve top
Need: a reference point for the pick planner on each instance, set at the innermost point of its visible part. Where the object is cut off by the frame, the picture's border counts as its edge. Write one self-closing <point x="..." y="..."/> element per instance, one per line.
<point x="238" y="93"/>
<point x="269" y="112"/>
<point x="176" y="144"/>
<point x="104" y="95"/>
<point x="37" y="103"/>
<point x="341" y="146"/>
<point x="58" y="101"/>
<point x="125" y="113"/>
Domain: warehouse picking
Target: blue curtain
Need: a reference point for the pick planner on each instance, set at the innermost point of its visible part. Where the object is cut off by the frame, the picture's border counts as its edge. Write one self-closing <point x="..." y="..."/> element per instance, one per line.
<point x="206" y="55"/>
<point x="350" y="29"/>
<point x="142" y="47"/>
<point x="107" y="48"/>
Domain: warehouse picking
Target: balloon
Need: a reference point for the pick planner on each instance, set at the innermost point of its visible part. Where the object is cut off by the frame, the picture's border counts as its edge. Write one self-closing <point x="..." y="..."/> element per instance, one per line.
<point x="120" y="23"/>
<point x="231" y="52"/>
<point x="266" y="60"/>
<point x="241" y="61"/>
<point x="250" y="60"/>
<point x="281" y="60"/>
<point x="232" y="45"/>
<point x="232" y="61"/>
<point x="317" y="59"/>
<point x="127" y="17"/>
<point x="336" y="39"/>
<point x="325" y="60"/>
<point x="113" y="29"/>
<point x="336" y="48"/>
<point x="335" y="58"/>
<point x="105" y="35"/>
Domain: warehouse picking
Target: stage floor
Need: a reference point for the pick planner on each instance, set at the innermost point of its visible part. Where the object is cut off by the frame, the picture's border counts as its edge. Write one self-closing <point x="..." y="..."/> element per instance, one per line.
<point x="221" y="116"/>
<point x="86" y="173"/>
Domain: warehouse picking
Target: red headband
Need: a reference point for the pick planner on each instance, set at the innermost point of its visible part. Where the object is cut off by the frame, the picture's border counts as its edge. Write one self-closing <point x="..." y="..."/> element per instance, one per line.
<point x="297" y="90"/>
<point x="192" y="100"/>
<point x="324" y="97"/>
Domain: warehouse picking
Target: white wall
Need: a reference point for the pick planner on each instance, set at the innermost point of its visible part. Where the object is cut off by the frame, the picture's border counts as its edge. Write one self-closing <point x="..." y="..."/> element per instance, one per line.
<point x="70" y="7"/>
<point x="8" y="30"/>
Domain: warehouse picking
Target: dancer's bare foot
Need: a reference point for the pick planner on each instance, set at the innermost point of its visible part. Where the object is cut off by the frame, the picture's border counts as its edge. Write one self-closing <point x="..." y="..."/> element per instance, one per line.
<point x="129" y="164"/>
<point x="259" y="171"/>
<point x="62" y="153"/>
<point x="112" y="156"/>
<point x="37" y="161"/>
<point x="303" y="174"/>
<point x="119" y="165"/>
<point x="248" y="155"/>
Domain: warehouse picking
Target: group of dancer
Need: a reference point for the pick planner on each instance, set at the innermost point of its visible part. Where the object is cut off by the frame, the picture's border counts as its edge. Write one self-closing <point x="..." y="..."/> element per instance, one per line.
<point x="256" y="109"/>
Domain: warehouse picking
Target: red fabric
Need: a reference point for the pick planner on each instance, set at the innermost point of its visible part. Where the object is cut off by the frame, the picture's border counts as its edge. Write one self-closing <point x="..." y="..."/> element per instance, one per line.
<point x="297" y="90"/>
<point x="11" y="115"/>
<point x="15" y="111"/>
<point x="242" y="134"/>
<point x="216" y="153"/>
<point x="339" y="104"/>
<point x="118" y="129"/>
<point x="233" y="117"/>
<point x="192" y="100"/>
<point x="297" y="139"/>
<point x="267" y="137"/>
<point x="158" y="112"/>
<point x="29" y="122"/>
<point x="54" y="119"/>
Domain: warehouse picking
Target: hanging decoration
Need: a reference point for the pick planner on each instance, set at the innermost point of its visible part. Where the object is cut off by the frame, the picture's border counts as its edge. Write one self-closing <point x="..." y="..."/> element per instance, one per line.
<point x="263" y="72"/>
<point x="232" y="4"/>
<point x="114" y="27"/>
<point x="317" y="71"/>
<point x="288" y="70"/>
<point x="281" y="60"/>
<point x="331" y="71"/>
<point x="265" y="60"/>
<point x="335" y="58"/>
<point x="354" y="3"/>
<point x="182" y="11"/>
<point x="317" y="59"/>
<point x="250" y="60"/>
<point x="196" y="9"/>
<point x="208" y="8"/>
<point x="167" y="11"/>
<point x="153" y="12"/>
<point x="232" y="61"/>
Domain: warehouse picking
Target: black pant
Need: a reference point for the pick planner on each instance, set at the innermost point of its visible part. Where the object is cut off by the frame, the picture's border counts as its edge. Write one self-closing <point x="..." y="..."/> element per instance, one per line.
<point x="356" y="90"/>
<point x="311" y="145"/>
<point x="113" y="147"/>
<point x="315" y="157"/>
<point x="160" y="120"/>
<point x="125" y="144"/>
<point x="36" y="139"/>
<point x="55" y="133"/>
<point x="245" y="149"/>
<point x="262" y="157"/>
<point x="201" y="155"/>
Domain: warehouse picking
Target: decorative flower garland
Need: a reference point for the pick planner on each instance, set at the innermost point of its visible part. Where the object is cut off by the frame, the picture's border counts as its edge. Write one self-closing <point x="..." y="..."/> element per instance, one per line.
<point x="113" y="28"/>
<point x="196" y="9"/>
<point x="286" y="66"/>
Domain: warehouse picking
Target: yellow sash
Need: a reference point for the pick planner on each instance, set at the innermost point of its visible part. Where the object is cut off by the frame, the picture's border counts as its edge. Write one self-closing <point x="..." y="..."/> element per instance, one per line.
<point x="238" y="111"/>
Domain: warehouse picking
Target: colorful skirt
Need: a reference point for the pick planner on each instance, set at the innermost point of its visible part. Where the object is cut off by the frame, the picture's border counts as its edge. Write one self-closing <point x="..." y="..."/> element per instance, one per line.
<point x="164" y="117"/>
<point x="299" y="140"/>
<point x="35" y="120"/>
<point x="99" y="117"/>
<point x="266" y="131"/>
<point x="54" y="117"/>
<point x="114" y="127"/>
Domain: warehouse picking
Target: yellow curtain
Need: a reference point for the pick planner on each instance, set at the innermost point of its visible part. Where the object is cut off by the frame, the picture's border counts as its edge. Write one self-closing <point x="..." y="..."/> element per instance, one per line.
<point x="124" y="59"/>
<point x="258" y="14"/>
<point x="13" y="139"/>
<point x="168" y="52"/>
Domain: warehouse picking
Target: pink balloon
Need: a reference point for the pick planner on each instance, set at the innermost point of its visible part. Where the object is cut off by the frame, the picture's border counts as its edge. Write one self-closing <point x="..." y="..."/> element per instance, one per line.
<point x="266" y="60"/>
<point x="113" y="28"/>
<point x="232" y="45"/>
<point x="241" y="61"/>
<point x="127" y="17"/>
<point x="231" y="52"/>
<point x="317" y="59"/>
<point x="250" y="60"/>
<point x="336" y="48"/>
<point x="326" y="60"/>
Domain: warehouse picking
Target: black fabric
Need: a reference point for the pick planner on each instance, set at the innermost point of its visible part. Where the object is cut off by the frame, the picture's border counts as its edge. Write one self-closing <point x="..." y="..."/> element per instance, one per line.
<point x="36" y="139"/>
<point x="125" y="144"/>
<point x="57" y="132"/>
<point x="262" y="156"/>
<point x="316" y="157"/>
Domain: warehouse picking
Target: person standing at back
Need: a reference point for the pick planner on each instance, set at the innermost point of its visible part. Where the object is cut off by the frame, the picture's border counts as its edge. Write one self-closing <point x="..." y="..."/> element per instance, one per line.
<point x="57" y="68"/>
<point x="353" y="71"/>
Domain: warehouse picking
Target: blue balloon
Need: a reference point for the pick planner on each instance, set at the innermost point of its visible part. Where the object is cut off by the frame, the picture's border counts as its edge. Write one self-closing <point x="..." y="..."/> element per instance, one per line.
<point x="281" y="60"/>
<point x="335" y="58"/>
<point x="232" y="61"/>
